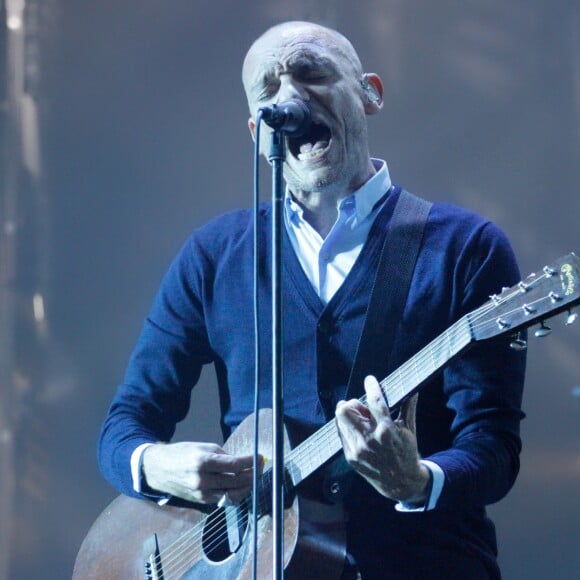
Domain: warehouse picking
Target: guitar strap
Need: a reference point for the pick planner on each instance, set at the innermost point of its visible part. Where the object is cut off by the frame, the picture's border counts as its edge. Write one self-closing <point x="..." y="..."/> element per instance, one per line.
<point x="384" y="313"/>
<point x="390" y="289"/>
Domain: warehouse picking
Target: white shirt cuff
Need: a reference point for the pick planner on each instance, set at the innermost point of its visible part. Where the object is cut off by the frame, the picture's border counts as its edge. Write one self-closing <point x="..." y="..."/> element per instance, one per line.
<point x="438" y="479"/>
<point x="137" y="474"/>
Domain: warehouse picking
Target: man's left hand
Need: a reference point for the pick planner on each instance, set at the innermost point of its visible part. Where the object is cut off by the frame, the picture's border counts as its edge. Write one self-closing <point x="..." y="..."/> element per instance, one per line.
<point x="382" y="449"/>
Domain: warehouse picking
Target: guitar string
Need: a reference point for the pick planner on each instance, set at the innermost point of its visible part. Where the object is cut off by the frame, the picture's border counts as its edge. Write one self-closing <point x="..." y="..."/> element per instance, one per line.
<point x="214" y="529"/>
<point x="209" y="532"/>
<point x="321" y="436"/>
<point x="213" y="535"/>
<point x="395" y="382"/>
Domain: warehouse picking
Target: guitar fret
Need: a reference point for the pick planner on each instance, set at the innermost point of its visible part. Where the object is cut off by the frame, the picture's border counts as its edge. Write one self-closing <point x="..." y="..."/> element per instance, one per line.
<point x="434" y="364"/>
<point x="428" y="360"/>
<point x="418" y="377"/>
<point x="313" y="452"/>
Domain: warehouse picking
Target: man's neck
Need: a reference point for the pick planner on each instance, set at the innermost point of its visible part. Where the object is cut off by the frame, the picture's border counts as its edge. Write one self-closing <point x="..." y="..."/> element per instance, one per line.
<point x="320" y="207"/>
<point x="320" y="211"/>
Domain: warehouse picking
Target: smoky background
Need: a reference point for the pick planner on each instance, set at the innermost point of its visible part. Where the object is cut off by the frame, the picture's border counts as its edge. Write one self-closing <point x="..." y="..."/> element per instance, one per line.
<point x="127" y="129"/>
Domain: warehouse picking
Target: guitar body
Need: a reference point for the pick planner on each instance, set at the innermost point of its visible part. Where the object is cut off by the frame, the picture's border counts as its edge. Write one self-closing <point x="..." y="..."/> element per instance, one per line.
<point x="186" y="543"/>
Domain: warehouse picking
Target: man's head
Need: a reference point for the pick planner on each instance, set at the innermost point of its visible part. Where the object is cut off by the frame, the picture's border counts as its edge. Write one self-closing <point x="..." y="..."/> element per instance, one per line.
<point x="319" y="66"/>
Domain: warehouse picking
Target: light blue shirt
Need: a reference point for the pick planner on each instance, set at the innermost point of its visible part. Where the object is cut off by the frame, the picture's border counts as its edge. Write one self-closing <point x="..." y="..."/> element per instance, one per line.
<point x="327" y="262"/>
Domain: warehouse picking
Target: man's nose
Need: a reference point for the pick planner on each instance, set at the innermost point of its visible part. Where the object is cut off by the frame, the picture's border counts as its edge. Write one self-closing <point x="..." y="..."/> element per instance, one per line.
<point x="291" y="89"/>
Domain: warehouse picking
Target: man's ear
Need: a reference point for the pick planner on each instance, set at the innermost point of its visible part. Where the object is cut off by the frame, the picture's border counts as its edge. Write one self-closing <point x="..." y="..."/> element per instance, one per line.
<point x="252" y="128"/>
<point x="372" y="86"/>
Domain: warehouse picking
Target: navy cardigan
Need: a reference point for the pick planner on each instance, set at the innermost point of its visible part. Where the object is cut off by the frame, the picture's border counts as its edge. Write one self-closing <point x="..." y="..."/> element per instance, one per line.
<point x="468" y="416"/>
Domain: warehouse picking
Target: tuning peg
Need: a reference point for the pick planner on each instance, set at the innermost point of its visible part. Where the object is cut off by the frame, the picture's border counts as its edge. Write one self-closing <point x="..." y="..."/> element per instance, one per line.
<point x="518" y="343"/>
<point x="571" y="318"/>
<point x="542" y="331"/>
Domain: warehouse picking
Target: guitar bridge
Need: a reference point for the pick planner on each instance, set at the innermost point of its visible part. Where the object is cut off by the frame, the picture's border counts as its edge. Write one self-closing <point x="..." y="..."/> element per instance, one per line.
<point x="153" y="568"/>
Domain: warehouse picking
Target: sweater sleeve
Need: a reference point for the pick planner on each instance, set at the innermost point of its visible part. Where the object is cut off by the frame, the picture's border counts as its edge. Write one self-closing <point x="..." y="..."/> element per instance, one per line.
<point x="165" y="365"/>
<point x="482" y="388"/>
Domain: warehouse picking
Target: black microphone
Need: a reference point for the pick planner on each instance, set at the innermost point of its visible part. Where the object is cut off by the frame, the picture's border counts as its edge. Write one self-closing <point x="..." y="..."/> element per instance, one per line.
<point x="292" y="116"/>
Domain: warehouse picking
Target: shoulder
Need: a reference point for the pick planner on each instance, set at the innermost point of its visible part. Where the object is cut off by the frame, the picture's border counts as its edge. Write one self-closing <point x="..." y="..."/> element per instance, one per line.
<point x="224" y="233"/>
<point x="228" y="226"/>
<point x="223" y="245"/>
<point x="461" y="230"/>
<point x="476" y="252"/>
<point x="468" y="248"/>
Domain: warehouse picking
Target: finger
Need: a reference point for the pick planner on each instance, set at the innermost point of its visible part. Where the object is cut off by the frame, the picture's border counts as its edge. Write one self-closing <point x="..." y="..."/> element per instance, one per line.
<point x="224" y="481"/>
<point x="354" y="423"/>
<point x="353" y="415"/>
<point x="376" y="400"/>
<point x="237" y="495"/>
<point x="225" y="463"/>
<point x="207" y="496"/>
<point x="209" y="448"/>
<point x="408" y="413"/>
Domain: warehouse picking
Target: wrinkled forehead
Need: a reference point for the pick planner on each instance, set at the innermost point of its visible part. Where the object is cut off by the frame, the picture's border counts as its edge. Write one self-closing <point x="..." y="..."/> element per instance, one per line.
<point x="282" y="45"/>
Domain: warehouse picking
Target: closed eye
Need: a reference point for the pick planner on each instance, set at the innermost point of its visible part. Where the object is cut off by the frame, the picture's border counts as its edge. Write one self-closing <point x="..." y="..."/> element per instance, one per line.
<point x="268" y="90"/>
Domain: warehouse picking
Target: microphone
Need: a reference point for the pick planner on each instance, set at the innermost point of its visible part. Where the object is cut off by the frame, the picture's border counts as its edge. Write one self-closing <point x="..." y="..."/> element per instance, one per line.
<point x="292" y="116"/>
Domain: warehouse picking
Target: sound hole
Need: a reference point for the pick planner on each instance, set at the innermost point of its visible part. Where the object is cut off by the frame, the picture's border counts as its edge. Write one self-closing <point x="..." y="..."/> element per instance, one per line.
<point x="224" y="532"/>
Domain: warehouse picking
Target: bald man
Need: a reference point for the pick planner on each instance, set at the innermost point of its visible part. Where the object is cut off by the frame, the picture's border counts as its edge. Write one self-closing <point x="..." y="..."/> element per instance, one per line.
<point x="415" y="502"/>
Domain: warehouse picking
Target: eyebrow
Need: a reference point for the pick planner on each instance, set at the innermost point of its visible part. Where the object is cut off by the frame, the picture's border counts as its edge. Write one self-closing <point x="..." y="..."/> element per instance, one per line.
<point x="297" y="63"/>
<point x="308" y="59"/>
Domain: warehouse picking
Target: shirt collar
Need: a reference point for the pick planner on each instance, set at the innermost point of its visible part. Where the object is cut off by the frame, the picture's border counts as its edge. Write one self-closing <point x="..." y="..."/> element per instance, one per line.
<point x="365" y="197"/>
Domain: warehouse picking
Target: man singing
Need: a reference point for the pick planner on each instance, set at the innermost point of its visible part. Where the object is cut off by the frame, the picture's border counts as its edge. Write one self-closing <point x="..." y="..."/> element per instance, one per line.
<point x="421" y="478"/>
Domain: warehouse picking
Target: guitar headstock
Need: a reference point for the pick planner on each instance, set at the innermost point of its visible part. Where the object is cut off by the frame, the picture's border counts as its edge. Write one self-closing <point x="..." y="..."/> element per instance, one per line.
<point x="533" y="300"/>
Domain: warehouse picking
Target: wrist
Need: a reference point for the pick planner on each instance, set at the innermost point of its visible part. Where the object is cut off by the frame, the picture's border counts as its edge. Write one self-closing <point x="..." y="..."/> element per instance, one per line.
<point x="149" y="467"/>
<point x="420" y="489"/>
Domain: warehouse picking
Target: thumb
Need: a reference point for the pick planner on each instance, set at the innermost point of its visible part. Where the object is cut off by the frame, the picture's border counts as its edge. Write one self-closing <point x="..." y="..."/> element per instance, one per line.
<point x="408" y="413"/>
<point x="376" y="402"/>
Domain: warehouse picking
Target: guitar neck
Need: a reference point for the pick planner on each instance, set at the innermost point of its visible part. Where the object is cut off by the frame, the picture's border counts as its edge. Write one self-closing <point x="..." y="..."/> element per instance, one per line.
<point x="325" y="443"/>
<point x="436" y="355"/>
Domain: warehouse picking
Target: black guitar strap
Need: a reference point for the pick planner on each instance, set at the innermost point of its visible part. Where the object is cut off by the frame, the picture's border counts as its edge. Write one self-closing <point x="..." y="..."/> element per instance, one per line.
<point x="384" y="314"/>
<point x="390" y="289"/>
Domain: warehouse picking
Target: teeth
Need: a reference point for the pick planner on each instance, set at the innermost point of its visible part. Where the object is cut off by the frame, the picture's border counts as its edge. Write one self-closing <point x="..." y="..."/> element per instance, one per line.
<point x="310" y="151"/>
<point x="311" y="154"/>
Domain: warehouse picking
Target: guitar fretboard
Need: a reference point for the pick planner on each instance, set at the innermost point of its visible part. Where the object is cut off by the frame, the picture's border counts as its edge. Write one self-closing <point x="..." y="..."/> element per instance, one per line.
<point x="325" y="443"/>
<point x="433" y="357"/>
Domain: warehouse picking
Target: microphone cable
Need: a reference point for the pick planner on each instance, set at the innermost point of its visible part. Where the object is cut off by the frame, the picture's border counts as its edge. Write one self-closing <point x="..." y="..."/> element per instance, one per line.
<point x="257" y="350"/>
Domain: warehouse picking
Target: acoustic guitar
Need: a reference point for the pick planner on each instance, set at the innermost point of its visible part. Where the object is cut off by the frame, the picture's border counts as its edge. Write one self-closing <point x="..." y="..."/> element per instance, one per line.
<point x="135" y="539"/>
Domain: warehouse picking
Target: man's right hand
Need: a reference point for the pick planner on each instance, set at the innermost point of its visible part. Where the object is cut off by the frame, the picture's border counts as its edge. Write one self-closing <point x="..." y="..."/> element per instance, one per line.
<point x="197" y="472"/>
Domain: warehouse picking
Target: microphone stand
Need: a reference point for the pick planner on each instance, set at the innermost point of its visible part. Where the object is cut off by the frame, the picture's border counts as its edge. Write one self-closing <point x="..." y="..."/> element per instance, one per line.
<point x="277" y="156"/>
<point x="291" y="117"/>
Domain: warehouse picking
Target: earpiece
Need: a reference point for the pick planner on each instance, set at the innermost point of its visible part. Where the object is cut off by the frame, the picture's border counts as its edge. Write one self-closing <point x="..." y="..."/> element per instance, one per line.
<point x="371" y="92"/>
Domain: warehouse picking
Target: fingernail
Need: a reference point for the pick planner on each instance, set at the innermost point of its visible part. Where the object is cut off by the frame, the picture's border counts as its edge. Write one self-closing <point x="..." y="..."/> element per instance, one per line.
<point x="370" y="383"/>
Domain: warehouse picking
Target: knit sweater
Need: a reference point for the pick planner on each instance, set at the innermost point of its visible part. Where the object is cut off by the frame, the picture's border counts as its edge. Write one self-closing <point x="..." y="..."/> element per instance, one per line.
<point x="467" y="418"/>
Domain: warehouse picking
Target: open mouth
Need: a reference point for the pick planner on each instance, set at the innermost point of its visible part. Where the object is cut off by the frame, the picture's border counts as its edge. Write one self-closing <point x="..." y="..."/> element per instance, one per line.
<point x="311" y="145"/>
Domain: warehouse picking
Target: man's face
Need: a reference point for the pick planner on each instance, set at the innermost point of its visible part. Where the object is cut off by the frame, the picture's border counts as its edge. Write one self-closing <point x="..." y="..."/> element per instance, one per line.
<point x="309" y="63"/>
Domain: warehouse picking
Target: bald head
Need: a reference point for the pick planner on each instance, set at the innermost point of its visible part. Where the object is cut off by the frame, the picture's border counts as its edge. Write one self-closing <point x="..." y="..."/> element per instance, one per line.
<point x="269" y="45"/>
<point x="319" y="66"/>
